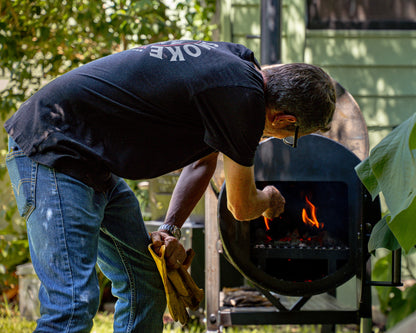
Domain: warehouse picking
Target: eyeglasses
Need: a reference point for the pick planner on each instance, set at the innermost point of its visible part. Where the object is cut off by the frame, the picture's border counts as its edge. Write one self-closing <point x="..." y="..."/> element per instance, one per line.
<point x="292" y="140"/>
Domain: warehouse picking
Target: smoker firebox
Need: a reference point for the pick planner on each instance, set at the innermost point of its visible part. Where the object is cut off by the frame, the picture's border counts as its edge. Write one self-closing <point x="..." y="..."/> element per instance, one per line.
<point x="314" y="246"/>
<point x="310" y="239"/>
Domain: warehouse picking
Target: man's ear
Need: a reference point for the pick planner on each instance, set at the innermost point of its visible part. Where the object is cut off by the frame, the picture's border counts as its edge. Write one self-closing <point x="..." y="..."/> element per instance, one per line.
<point x="282" y="120"/>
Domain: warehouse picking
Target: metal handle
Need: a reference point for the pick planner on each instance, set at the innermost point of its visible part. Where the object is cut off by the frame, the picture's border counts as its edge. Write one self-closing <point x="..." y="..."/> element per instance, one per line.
<point x="396" y="271"/>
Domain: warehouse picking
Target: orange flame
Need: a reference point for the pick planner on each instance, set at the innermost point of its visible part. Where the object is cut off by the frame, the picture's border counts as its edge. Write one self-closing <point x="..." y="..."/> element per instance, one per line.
<point x="266" y="222"/>
<point x="312" y="221"/>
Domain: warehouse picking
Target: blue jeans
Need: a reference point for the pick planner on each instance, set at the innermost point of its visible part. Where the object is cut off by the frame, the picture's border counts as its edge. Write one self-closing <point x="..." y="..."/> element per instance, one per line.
<point x="70" y="229"/>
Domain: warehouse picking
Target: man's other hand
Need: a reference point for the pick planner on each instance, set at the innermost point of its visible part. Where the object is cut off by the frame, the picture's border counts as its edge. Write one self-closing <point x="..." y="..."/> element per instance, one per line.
<point x="175" y="253"/>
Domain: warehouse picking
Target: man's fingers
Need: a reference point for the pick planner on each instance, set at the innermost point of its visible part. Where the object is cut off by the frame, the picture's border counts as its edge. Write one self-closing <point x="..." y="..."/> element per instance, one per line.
<point x="175" y="253"/>
<point x="156" y="242"/>
<point x="156" y="237"/>
<point x="277" y="202"/>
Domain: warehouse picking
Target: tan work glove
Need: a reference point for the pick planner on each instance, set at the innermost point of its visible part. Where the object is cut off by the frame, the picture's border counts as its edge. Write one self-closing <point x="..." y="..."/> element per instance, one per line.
<point x="190" y="294"/>
<point x="181" y="290"/>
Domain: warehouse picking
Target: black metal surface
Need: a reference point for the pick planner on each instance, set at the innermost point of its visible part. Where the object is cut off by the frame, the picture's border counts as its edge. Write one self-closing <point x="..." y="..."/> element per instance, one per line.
<point x="317" y="159"/>
<point x="361" y="14"/>
<point x="250" y="317"/>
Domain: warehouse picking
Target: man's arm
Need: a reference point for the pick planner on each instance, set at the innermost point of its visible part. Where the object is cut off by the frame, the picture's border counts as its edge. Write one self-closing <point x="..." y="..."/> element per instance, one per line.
<point x="244" y="200"/>
<point x="189" y="189"/>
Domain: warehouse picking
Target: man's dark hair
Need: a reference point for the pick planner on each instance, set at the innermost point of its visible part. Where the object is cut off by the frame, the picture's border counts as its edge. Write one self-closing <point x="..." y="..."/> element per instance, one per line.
<point x="302" y="90"/>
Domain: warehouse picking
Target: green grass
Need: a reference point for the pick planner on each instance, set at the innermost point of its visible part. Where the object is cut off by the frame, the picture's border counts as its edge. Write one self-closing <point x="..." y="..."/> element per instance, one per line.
<point x="12" y="322"/>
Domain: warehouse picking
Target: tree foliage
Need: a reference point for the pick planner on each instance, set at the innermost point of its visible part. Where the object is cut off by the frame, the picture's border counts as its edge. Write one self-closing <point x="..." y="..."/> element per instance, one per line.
<point x="42" y="39"/>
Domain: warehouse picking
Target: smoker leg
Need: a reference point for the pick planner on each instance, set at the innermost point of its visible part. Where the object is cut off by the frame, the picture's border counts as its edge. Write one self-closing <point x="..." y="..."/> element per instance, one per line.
<point x="366" y="325"/>
<point x="212" y="262"/>
<point x="366" y="321"/>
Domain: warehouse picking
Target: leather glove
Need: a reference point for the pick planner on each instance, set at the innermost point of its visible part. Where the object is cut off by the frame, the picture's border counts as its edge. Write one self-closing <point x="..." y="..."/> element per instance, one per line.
<point x="190" y="294"/>
<point x="180" y="289"/>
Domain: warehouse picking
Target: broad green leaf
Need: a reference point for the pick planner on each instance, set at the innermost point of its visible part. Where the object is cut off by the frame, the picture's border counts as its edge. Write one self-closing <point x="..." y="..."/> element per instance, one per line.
<point x="382" y="237"/>
<point x="403" y="225"/>
<point x="368" y="178"/>
<point x="391" y="169"/>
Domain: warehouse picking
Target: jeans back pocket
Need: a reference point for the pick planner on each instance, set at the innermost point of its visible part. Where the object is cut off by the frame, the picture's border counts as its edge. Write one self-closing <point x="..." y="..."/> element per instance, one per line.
<point x="22" y="171"/>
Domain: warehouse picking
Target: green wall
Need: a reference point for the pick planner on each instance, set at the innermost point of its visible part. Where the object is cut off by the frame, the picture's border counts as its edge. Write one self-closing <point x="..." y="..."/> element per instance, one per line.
<point x="377" y="67"/>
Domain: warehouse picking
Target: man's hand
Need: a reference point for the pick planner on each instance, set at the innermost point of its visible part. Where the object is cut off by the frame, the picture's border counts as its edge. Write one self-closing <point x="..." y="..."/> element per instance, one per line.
<point x="175" y="253"/>
<point x="277" y="202"/>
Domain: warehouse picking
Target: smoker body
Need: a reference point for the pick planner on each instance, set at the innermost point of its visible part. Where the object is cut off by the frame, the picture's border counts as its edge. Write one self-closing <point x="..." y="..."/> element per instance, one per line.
<point x="276" y="265"/>
<point x="324" y="169"/>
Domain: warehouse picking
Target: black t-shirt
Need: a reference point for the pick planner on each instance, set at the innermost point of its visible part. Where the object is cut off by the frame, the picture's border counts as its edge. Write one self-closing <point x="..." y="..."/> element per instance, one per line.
<point x="146" y="111"/>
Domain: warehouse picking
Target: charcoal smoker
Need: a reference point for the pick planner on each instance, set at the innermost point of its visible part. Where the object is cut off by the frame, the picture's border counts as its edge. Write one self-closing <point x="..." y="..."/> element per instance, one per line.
<point x="314" y="245"/>
<point x="318" y="244"/>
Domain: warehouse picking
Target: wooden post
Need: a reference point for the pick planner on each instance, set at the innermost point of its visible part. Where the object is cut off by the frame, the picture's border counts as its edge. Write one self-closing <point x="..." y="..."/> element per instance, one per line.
<point x="212" y="262"/>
